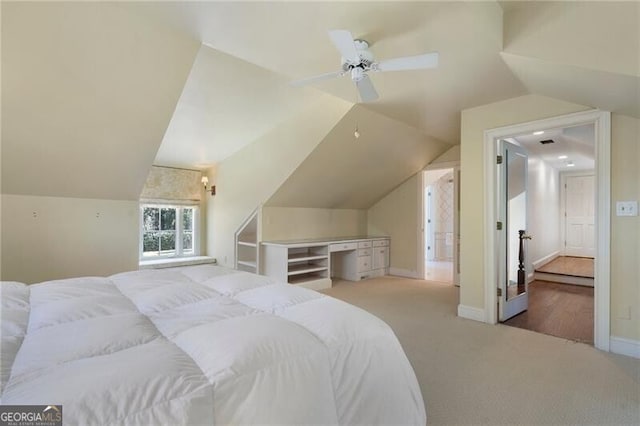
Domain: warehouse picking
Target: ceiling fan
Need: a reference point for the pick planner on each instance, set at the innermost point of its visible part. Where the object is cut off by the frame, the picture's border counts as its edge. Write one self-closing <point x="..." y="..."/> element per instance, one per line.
<point x="357" y="60"/>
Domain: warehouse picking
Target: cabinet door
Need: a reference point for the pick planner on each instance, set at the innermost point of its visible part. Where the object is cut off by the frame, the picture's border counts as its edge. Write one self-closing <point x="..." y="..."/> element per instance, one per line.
<point x="381" y="257"/>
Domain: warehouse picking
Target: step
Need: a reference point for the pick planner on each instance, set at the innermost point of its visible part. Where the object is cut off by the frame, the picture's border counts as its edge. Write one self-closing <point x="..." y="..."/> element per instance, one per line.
<point x="564" y="279"/>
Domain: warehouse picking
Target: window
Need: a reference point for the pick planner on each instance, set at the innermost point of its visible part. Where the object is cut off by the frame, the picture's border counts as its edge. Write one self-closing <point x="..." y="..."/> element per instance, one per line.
<point x="168" y="231"/>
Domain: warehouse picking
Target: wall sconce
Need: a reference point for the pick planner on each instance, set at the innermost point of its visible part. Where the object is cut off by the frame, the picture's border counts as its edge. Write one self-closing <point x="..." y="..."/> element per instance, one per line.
<point x="205" y="182"/>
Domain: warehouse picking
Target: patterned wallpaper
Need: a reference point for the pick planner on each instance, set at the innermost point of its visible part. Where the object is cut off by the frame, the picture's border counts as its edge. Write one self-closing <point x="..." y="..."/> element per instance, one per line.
<point x="166" y="183"/>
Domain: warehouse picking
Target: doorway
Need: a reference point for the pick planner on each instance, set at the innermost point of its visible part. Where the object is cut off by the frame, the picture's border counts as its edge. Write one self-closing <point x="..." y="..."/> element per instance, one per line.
<point x="439" y="200"/>
<point x="439" y="247"/>
<point x="601" y="291"/>
<point x="554" y="190"/>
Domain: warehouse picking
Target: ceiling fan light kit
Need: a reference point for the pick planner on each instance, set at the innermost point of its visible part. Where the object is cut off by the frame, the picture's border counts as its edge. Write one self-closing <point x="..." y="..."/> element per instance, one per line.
<point x="357" y="61"/>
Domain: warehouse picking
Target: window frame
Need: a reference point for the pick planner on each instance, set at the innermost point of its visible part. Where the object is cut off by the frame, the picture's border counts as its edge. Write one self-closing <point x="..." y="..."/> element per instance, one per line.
<point x="179" y="231"/>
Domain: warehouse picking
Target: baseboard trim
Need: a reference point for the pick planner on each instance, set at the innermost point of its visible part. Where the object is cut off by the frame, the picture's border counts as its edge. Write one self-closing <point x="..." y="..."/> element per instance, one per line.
<point x="624" y="346"/>
<point x="469" y="312"/>
<point x="406" y="273"/>
<point x="546" y="259"/>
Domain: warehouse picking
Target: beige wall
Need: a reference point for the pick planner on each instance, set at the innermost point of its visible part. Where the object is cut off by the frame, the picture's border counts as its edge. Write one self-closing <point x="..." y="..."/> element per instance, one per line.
<point x="625" y="231"/>
<point x="45" y="238"/>
<point x="396" y="215"/>
<point x="286" y="223"/>
<point x="248" y="178"/>
<point x="625" y="253"/>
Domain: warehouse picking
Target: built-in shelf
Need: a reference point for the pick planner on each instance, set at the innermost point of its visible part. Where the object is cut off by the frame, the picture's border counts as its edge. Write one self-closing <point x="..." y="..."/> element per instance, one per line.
<point x="307" y="278"/>
<point x="247" y="244"/>
<point x="247" y="255"/>
<point x="303" y="257"/>
<point x="305" y="268"/>
<point x="312" y="263"/>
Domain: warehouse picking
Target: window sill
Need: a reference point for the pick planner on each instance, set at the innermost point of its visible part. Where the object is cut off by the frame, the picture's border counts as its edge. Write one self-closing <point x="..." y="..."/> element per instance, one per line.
<point x="175" y="262"/>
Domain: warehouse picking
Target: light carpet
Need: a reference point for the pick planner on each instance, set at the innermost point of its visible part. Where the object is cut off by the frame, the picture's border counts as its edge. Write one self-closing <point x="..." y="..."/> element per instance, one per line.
<point x="475" y="373"/>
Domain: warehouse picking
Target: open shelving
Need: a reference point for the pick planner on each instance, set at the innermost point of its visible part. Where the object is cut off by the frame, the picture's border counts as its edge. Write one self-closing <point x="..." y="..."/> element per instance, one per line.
<point x="246" y="238"/>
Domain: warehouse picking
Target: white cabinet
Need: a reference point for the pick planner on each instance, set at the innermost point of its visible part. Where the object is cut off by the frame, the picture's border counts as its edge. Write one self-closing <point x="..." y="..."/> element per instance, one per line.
<point x="313" y="263"/>
<point x="306" y="265"/>
<point x="380" y="258"/>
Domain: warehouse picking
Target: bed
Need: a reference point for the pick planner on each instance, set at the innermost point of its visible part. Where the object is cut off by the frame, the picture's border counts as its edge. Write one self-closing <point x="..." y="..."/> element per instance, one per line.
<point x="201" y="345"/>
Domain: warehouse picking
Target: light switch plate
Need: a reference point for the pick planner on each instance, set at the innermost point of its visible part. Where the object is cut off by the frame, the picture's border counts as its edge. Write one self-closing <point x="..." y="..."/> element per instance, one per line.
<point x="626" y="208"/>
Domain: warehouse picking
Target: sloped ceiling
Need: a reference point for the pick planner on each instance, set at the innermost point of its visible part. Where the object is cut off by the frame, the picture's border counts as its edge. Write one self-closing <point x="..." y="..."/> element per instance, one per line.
<point x="87" y="92"/>
<point x="226" y="104"/>
<point x="90" y="88"/>
<point x="348" y="173"/>
<point x="290" y="38"/>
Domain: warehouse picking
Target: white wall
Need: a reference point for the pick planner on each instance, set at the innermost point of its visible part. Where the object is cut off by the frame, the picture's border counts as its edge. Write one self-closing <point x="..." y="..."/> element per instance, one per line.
<point x="543" y="211"/>
<point x="286" y="223"/>
<point x="45" y="238"/>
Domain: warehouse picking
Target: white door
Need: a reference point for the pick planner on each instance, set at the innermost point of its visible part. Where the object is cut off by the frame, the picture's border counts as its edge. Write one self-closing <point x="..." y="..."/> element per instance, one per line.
<point x="513" y="289"/>
<point x="579" y="216"/>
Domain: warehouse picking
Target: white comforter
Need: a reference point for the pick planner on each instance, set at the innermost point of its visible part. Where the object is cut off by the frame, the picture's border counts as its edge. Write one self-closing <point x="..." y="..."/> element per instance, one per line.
<point x="201" y="345"/>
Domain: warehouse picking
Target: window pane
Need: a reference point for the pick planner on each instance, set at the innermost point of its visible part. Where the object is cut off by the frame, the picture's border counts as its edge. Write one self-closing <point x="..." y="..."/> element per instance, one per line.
<point x="150" y="242"/>
<point x="167" y="219"/>
<point x="187" y="219"/>
<point x="151" y="219"/>
<point x="187" y="241"/>
<point x="167" y="241"/>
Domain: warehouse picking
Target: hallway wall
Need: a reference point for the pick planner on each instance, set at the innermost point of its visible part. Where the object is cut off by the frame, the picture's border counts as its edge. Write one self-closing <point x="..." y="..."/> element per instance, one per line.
<point x="543" y="211"/>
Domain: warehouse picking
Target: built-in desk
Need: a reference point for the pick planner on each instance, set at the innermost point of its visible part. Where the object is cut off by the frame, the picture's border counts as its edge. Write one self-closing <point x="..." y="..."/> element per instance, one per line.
<point x="312" y="263"/>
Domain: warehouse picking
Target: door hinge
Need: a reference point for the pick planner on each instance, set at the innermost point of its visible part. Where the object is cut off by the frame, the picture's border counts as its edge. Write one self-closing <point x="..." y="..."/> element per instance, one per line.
<point x="499" y="226"/>
<point x="499" y="292"/>
<point x="499" y="159"/>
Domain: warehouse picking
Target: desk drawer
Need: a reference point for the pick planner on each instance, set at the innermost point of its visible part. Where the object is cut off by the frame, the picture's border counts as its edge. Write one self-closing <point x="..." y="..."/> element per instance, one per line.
<point x="342" y="247"/>
<point x="364" y="244"/>
<point x="364" y="263"/>
<point x="364" y="252"/>
<point x="381" y="243"/>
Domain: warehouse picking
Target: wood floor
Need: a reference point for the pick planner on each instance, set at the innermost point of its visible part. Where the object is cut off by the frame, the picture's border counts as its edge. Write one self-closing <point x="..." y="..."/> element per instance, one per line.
<point x="560" y="310"/>
<point x="569" y="265"/>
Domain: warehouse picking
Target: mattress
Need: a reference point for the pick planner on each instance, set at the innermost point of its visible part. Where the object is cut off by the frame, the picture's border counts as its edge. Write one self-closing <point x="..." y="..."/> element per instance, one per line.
<point x="200" y="345"/>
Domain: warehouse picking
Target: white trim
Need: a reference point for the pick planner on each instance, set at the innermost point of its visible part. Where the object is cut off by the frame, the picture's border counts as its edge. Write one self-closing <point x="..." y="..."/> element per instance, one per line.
<point x="421" y="272"/>
<point x="472" y="313"/>
<point x="624" y="346"/>
<point x="174" y="262"/>
<point x="406" y="273"/>
<point x="443" y="165"/>
<point x="546" y="259"/>
<point x="455" y="167"/>
<point x="602" y="121"/>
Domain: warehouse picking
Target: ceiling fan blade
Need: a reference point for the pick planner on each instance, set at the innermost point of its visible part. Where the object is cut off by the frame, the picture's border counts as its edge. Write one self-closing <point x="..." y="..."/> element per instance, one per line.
<point x="428" y="60"/>
<point x="343" y="40"/>
<point x="367" y="91"/>
<point x="315" y="79"/>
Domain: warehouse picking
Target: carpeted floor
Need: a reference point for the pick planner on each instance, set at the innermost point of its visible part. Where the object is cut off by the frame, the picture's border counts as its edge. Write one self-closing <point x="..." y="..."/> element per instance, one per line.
<point x="474" y="373"/>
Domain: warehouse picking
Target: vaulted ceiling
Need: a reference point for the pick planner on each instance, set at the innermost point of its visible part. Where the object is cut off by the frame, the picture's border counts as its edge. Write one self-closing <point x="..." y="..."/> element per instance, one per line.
<point x="94" y="93"/>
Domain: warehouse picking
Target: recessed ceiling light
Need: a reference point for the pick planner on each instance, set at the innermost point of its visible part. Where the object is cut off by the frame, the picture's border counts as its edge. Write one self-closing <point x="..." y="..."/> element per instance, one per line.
<point x="570" y="164"/>
<point x="539" y="132"/>
<point x="562" y="157"/>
